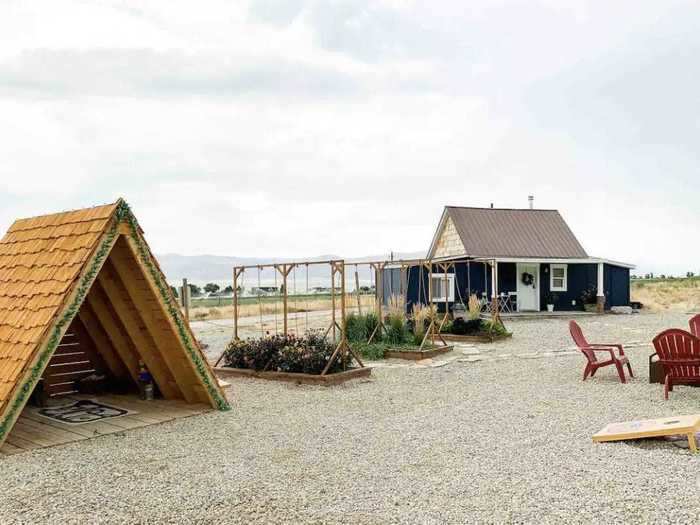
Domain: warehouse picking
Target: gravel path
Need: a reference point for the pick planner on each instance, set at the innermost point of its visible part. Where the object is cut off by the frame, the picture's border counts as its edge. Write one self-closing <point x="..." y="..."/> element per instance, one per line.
<point x="498" y="440"/>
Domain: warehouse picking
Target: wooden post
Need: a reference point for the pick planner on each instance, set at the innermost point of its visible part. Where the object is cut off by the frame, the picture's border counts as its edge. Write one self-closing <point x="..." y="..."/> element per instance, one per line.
<point x="357" y="291"/>
<point x="186" y="299"/>
<point x="333" y="321"/>
<point x="343" y="318"/>
<point x="284" y="270"/>
<point x="236" y="274"/>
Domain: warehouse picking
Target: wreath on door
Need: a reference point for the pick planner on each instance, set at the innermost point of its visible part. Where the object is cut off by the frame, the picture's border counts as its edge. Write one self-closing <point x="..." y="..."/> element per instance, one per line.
<point x="528" y="279"/>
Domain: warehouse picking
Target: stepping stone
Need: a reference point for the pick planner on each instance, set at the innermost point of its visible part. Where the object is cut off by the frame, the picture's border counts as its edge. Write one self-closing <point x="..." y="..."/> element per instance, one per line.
<point x="438" y="364"/>
<point x="533" y="355"/>
<point x="471" y="351"/>
<point x="469" y="360"/>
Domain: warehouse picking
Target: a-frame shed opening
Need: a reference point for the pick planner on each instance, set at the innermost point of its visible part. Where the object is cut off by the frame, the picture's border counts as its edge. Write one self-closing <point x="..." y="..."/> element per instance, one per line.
<point x="119" y="325"/>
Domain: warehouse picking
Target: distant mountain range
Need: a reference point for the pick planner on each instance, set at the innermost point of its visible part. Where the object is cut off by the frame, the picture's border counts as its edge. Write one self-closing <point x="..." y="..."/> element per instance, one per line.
<point x="200" y="269"/>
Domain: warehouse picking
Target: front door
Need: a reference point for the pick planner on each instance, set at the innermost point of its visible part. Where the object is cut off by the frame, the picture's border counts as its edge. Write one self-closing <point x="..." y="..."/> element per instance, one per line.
<point x="528" y="289"/>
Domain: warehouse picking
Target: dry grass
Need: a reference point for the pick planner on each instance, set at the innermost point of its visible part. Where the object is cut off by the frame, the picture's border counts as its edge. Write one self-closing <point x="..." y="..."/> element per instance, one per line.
<point x="682" y="295"/>
<point x="269" y="308"/>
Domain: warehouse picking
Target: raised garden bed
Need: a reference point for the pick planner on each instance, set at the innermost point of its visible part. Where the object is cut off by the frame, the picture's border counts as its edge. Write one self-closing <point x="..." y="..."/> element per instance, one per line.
<point x="290" y="377"/>
<point x="476" y="338"/>
<point x="416" y="354"/>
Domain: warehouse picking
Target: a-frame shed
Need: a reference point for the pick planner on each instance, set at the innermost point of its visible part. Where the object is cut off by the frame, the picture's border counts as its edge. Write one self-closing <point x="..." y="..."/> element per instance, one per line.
<point x="86" y="281"/>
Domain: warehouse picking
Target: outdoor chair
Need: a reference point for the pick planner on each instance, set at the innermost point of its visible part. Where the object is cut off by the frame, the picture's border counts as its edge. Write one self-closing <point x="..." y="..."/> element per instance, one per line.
<point x="679" y="355"/>
<point x="589" y="351"/>
<point x="695" y="325"/>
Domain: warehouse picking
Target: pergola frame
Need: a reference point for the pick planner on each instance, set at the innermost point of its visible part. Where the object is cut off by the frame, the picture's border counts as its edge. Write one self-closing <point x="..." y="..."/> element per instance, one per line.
<point x="337" y="270"/>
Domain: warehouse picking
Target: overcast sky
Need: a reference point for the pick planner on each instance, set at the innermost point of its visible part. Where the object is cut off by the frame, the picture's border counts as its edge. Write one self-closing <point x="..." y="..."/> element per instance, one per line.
<point x="299" y="128"/>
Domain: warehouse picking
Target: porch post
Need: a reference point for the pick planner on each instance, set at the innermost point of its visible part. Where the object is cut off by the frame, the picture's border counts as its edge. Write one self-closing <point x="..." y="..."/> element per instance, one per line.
<point x="494" y="288"/>
<point x="600" y="292"/>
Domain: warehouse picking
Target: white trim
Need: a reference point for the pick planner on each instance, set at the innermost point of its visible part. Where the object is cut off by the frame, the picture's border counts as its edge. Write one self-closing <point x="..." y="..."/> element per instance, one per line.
<point x="438" y="232"/>
<point x="535" y="260"/>
<point x="450" y="286"/>
<point x="559" y="266"/>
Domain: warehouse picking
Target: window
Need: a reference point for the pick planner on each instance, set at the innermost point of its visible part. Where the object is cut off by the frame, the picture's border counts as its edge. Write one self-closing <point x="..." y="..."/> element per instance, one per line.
<point x="438" y="287"/>
<point x="558" y="277"/>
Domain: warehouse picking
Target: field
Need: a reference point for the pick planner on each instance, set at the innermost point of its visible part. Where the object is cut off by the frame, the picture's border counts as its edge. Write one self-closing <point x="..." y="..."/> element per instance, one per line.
<point x="680" y="295"/>
<point x="211" y="308"/>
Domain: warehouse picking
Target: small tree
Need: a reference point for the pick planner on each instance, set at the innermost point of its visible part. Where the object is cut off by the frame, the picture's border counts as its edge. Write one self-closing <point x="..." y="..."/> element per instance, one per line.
<point x="690" y="275"/>
<point x="195" y="291"/>
<point x="229" y="290"/>
<point x="211" y="287"/>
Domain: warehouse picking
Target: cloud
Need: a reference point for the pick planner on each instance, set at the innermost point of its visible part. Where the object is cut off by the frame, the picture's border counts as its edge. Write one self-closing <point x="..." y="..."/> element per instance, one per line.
<point x="272" y="128"/>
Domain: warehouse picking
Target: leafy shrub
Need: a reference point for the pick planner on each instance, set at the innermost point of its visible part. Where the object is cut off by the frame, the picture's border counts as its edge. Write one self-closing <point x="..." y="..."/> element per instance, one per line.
<point x="494" y="328"/>
<point x="371" y="322"/>
<point x="372" y="352"/>
<point x="255" y="354"/>
<point x="308" y="354"/>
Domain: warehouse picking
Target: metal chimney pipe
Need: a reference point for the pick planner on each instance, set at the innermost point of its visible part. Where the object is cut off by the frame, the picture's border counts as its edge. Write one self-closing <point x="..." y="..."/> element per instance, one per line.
<point x="531" y="201"/>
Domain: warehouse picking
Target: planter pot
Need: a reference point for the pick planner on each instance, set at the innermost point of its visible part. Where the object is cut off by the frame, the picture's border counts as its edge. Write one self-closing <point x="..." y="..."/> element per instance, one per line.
<point x="592" y="308"/>
<point x="550" y="307"/>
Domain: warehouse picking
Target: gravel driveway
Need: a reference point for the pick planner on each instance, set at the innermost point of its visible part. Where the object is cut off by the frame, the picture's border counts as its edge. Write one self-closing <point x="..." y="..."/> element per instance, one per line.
<point x="506" y="438"/>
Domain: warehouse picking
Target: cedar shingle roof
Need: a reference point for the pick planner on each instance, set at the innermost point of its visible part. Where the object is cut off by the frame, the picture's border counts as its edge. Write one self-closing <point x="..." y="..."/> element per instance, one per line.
<point x="493" y="232"/>
<point x="40" y="259"/>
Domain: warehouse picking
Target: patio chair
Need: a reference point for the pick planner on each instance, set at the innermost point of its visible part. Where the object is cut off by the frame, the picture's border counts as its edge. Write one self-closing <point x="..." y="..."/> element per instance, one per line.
<point x="679" y="354"/>
<point x="695" y="325"/>
<point x="589" y="351"/>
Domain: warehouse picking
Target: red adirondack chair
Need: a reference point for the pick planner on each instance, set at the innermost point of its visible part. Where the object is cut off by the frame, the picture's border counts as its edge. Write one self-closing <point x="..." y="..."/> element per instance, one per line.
<point x="679" y="355"/>
<point x="695" y="325"/>
<point x="589" y="351"/>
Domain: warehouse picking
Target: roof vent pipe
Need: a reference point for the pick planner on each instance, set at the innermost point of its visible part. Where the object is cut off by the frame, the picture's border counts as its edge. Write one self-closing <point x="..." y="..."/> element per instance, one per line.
<point x="492" y="205"/>
<point x="531" y="201"/>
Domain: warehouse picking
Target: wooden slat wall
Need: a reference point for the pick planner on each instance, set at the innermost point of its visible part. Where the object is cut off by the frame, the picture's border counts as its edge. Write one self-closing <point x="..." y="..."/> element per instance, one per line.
<point x="74" y="359"/>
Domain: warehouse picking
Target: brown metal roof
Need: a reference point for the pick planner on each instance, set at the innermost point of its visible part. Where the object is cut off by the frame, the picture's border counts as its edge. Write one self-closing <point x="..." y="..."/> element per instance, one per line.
<point x="489" y="232"/>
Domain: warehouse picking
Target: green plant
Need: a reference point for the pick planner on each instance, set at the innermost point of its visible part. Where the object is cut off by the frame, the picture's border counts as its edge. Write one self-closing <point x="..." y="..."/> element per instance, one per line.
<point x="396" y="332"/>
<point x="494" y="328"/>
<point x="356" y="328"/>
<point x="371" y="352"/>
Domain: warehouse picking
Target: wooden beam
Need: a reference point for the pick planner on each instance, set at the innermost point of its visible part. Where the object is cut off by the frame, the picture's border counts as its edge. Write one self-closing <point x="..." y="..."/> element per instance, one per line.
<point x="124" y="345"/>
<point x="121" y="364"/>
<point x="143" y="341"/>
<point x="146" y="310"/>
<point x="133" y="252"/>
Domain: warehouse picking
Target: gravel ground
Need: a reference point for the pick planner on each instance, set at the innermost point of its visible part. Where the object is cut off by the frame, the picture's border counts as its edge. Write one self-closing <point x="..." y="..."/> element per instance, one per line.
<point x="504" y="439"/>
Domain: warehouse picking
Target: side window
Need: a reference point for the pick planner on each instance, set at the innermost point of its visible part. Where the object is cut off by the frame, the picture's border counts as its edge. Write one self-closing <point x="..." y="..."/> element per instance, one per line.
<point x="558" y="278"/>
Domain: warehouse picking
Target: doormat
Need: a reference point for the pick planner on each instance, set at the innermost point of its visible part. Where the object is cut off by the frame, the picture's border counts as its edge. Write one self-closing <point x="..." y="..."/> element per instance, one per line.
<point x="83" y="411"/>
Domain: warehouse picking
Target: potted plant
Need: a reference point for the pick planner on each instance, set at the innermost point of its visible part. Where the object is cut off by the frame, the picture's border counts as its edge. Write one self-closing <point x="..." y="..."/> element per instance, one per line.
<point x="551" y="299"/>
<point x="588" y="299"/>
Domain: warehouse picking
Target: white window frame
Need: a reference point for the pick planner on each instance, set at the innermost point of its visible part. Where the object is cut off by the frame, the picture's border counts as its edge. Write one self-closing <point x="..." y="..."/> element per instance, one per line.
<point x="450" y="287"/>
<point x="563" y="288"/>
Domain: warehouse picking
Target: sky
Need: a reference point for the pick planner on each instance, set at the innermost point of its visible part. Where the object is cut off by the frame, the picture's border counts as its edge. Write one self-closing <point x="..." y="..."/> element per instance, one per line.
<point x="295" y="128"/>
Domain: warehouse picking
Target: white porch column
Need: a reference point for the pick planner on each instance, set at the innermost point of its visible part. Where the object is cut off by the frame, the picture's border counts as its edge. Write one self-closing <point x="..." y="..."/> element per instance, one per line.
<point x="600" y="291"/>
<point x="494" y="280"/>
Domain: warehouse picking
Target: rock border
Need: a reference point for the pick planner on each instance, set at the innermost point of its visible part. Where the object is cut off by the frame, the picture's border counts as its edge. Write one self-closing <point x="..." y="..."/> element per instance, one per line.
<point x="290" y="377"/>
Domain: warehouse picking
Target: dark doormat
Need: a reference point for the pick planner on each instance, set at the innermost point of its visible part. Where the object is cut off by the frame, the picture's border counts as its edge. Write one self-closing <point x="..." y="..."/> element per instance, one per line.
<point x="83" y="411"/>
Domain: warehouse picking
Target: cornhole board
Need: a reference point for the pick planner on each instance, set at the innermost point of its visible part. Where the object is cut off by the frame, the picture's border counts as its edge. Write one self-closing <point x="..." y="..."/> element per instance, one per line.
<point x="647" y="428"/>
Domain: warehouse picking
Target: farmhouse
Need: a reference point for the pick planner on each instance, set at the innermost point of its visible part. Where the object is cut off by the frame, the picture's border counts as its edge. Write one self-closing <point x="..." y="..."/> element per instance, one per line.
<point x="524" y="259"/>
<point x="81" y="296"/>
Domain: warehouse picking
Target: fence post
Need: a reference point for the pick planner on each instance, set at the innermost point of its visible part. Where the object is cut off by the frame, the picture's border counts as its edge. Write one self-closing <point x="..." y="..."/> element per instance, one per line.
<point x="186" y="299"/>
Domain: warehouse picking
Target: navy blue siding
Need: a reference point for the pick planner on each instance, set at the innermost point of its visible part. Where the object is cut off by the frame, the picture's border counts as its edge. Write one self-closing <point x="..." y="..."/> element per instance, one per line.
<point x="617" y="286"/>
<point x="579" y="276"/>
<point x="476" y="278"/>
